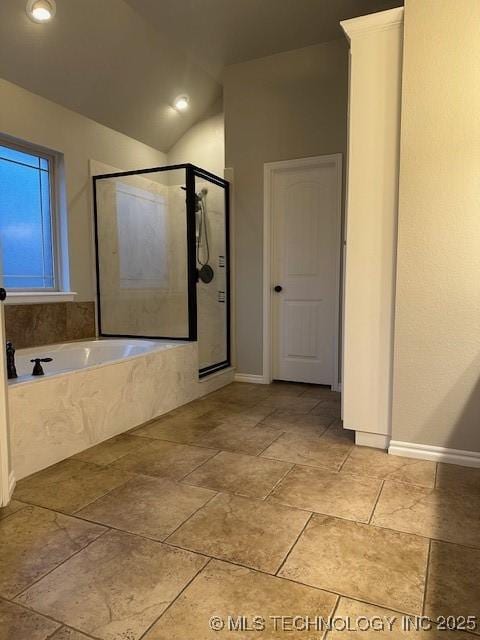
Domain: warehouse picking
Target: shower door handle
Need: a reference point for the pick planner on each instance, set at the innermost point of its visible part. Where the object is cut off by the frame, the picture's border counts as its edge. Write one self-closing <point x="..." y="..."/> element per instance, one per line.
<point x="277" y="288"/>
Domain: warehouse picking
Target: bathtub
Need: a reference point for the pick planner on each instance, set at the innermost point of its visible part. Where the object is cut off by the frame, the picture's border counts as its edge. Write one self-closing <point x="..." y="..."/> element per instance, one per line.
<point x="94" y="390"/>
<point x="73" y="356"/>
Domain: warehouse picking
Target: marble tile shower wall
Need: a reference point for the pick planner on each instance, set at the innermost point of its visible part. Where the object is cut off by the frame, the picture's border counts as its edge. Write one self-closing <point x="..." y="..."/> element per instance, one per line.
<point x="211" y="315"/>
<point x="143" y="261"/>
<point x="33" y="325"/>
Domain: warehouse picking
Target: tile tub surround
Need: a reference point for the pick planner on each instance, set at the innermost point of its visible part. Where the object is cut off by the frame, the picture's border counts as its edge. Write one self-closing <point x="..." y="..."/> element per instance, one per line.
<point x="101" y="573"/>
<point x="33" y="325"/>
<point x="57" y="417"/>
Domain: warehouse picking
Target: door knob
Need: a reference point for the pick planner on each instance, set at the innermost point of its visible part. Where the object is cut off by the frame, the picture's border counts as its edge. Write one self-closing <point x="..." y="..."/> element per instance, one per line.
<point x="278" y="288"/>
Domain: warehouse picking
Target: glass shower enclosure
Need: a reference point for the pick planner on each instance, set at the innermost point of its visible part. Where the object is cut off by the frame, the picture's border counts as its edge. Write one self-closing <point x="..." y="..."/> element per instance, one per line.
<point x="162" y="258"/>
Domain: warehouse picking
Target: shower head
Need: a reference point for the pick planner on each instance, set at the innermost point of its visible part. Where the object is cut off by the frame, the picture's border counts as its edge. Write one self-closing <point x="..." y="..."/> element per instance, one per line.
<point x="201" y="195"/>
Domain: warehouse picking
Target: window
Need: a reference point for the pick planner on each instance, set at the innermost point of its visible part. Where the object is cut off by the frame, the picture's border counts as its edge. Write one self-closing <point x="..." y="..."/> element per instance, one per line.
<point x="27" y="248"/>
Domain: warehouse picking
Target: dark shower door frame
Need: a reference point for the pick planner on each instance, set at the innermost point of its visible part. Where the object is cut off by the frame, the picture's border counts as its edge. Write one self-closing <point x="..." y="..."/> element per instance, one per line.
<point x="191" y="172"/>
<point x="220" y="182"/>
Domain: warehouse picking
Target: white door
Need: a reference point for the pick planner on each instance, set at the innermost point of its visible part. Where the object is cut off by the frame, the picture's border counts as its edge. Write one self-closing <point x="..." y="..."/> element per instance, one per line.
<point x="305" y="210"/>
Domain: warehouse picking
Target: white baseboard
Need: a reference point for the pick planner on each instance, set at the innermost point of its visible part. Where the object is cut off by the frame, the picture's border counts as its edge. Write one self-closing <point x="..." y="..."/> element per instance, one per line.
<point x="437" y="454"/>
<point x="375" y="440"/>
<point x="252" y="378"/>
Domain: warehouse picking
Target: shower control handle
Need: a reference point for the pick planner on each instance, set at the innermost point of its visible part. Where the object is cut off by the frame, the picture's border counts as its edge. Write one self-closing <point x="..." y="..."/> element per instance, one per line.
<point x="278" y="288"/>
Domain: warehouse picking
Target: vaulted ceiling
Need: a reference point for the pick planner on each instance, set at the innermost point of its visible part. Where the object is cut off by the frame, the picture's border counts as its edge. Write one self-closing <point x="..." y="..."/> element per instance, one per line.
<point x="123" y="62"/>
<point x="217" y="33"/>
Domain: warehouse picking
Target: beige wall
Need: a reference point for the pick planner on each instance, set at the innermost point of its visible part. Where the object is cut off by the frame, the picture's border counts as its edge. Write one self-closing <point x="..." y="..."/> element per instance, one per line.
<point x="436" y="397"/>
<point x="203" y="144"/>
<point x="29" y="117"/>
<point x="284" y="106"/>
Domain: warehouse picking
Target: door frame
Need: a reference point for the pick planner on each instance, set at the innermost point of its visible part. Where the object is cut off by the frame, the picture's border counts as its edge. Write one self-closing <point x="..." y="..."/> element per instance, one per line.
<point x="7" y="479"/>
<point x="268" y="172"/>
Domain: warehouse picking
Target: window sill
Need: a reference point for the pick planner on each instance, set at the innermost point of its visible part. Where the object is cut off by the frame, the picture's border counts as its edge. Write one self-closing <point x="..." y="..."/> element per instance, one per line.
<point x="37" y="297"/>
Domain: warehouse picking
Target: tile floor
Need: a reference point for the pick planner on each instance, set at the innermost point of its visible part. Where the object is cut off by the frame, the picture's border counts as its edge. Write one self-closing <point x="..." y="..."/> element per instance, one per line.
<point x="250" y="502"/>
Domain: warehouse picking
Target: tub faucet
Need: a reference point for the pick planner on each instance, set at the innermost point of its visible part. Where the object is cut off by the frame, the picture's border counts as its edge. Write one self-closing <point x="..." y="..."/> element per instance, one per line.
<point x="11" y="369"/>
<point x="38" y="369"/>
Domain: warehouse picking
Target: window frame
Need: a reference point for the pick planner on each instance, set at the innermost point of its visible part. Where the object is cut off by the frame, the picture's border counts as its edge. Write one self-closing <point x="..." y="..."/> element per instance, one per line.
<point x="60" y="291"/>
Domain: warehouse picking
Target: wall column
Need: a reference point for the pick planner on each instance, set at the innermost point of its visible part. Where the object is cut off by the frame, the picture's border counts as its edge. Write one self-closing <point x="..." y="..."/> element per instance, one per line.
<point x="376" y="43"/>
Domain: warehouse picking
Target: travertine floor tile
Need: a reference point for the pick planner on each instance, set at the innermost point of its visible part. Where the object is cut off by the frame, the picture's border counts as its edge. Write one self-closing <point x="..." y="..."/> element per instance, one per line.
<point x="364" y="461"/>
<point x="191" y="410"/>
<point x="372" y="623"/>
<point x="115" y="588"/>
<point x="456" y="478"/>
<point x="164" y="459"/>
<point x="229" y="404"/>
<point x="327" y="408"/>
<point x="241" y="388"/>
<point x="17" y="623"/>
<point x="225" y="590"/>
<point x="34" y="541"/>
<point x="224" y="409"/>
<point x="152" y="507"/>
<point x="360" y="561"/>
<point x="298" y="422"/>
<point x="199" y="407"/>
<point x="244" y="475"/>
<point x="162" y="478"/>
<point x="178" y="429"/>
<point x="110" y="450"/>
<point x="69" y="634"/>
<point x="68" y="486"/>
<point x="453" y="587"/>
<point x="244" y="439"/>
<point x="328" y="492"/>
<point x="291" y="404"/>
<point x="248" y="532"/>
<point x="279" y="388"/>
<point x="217" y="414"/>
<point x="257" y="413"/>
<point x="337" y="433"/>
<point x="249" y="410"/>
<point x="248" y="397"/>
<point x="243" y="419"/>
<point x="13" y="507"/>
<point x="322" y="393"/>
<point x="434" y="513"/>
<point x="310" y="450"/>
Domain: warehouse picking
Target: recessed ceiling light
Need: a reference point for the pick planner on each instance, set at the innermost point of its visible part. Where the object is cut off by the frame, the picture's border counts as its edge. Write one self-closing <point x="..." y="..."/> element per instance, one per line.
<point x="181" y="103"/>
<point x="41" y="10"/>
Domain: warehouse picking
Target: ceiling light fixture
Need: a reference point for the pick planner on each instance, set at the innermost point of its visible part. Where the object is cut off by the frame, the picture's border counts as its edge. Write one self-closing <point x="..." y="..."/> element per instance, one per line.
<point x="41" y="10"/>
<point x="181" y="103"/>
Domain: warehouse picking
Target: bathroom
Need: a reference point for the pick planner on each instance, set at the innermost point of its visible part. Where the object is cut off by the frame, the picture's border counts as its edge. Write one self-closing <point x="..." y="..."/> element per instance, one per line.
<point x="228" y="287"/>
<point x="162" y="308"/>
